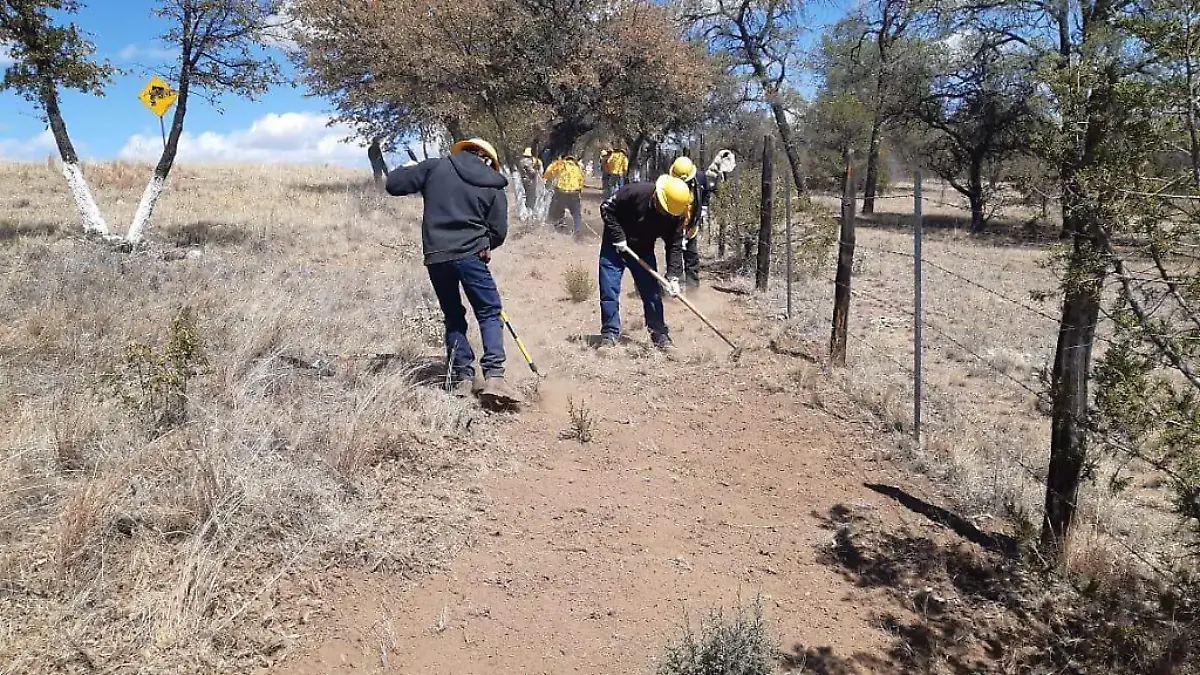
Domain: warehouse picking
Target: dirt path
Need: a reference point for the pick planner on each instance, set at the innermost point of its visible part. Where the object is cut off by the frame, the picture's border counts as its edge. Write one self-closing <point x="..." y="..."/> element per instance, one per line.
<point x="703" y="487"/>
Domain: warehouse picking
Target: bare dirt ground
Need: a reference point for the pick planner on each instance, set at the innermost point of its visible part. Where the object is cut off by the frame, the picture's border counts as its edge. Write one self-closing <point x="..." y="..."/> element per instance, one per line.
<point x="330" y="516"/>
<point x="704" y="486"/>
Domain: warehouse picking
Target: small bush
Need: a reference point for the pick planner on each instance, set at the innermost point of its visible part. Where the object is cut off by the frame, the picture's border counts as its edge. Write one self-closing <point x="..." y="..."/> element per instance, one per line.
<point x="578" y="283"/>
<point x="739" y="644"/>
<point x="154" y="383"/>
<point x="583" y="422"/>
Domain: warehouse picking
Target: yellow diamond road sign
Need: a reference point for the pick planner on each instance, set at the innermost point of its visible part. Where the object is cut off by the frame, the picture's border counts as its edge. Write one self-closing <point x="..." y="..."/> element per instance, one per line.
<point x="158" y="96"/>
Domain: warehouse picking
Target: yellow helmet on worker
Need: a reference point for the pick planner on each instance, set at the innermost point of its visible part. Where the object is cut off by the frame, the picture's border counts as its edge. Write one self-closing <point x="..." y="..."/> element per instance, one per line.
<point x="673" y="195"/>
<point x="478" y="144"/>
<point x="684" y="169"/>
<point x="528" y="152"/>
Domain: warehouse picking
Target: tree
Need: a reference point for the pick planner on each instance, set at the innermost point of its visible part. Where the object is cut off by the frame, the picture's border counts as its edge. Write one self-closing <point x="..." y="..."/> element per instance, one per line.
<point x="48" y="55"/>
<point x="1171" y="30"/>
<point x="220" y="45"/>
<point x="981" y="107"/>
<point x="759" y="37"/>
<point x="836" y="124"/>
<point x="508" y="67"/>
<point x="879" y="52"/>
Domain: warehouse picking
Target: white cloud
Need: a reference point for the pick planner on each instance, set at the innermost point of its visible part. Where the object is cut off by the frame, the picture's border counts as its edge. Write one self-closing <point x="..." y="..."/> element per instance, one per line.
<point x="131" y="52"/>
<point x="294" y="138"/>
<point x="6" y="57"/>
<point x="36" y="147"/>
<point x="282" y="28"/>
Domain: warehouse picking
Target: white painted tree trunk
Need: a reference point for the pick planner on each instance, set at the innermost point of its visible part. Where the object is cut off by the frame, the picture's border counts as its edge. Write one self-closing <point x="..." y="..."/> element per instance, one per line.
<point x="93" y="220"/>
<point x="141" y="218"/>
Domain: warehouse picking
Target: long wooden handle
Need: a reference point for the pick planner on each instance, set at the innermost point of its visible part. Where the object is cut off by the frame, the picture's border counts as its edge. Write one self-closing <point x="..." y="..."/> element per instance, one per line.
<point x="653" y="272"/>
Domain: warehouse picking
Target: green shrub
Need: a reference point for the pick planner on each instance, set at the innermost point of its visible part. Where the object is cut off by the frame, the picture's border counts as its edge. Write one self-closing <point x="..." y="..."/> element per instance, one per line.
<point x="738" y="644"/>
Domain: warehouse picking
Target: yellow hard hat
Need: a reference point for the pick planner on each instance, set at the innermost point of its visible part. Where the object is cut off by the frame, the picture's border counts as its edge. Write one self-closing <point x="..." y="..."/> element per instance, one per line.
<point x="673" y="195"/>
<point x="478" y="144"/>
<point x="528" y="152"/>
<point x="683" y="169"/>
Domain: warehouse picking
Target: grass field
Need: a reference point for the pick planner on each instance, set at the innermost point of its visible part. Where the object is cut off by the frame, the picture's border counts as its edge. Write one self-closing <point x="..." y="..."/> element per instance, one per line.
<point x="196" y="436"/>
<point x="990" y="328"/>
<point x="173" y="550"/>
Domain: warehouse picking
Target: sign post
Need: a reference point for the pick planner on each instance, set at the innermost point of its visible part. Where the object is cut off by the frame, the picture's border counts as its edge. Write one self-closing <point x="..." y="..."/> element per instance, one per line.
<point x="158" y="96"/>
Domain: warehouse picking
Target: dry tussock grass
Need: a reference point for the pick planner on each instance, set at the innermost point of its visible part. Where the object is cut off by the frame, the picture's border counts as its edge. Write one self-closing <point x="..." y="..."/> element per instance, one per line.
<point x="986" y="434"/>
<point x="187" y="551"/>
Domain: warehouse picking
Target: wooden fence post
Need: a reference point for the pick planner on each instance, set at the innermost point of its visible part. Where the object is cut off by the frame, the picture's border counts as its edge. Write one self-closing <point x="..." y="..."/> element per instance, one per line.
<point x="845" y="264"/>
<point x="762" y="273"/>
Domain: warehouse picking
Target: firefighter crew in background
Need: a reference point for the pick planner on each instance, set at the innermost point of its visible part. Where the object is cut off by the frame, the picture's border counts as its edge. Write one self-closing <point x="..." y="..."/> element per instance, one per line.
<point x="465" y="218"/>
<point x="702" y="190"/>
<point x="568" y="175"/>
<point x="615" y="165"/>
<point x="531" y="175"/>
<point x="635" y="218"/>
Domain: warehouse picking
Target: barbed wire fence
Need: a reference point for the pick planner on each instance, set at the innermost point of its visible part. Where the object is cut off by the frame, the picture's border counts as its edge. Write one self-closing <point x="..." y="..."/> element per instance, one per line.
<point x="929" y="330"/>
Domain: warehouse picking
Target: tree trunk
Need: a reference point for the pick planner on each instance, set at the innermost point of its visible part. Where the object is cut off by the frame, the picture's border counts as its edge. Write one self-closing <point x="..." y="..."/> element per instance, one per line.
<point x="1190" y="70"/>
<point x="762" y="274"/>
<point x="872" y="178"/>
<point x="635" y="153"/>
<point x="565" y="134"/>
<point x="158" y="181"/>
<point x="789" y="147"/>
<point x="454" y="127"/>
<point x="89" y="213"/>
<point x="1069" y="389"/>
<point x="379" y="167"/>
<point x="845" y="264"/>
<point x="975" y="195"/>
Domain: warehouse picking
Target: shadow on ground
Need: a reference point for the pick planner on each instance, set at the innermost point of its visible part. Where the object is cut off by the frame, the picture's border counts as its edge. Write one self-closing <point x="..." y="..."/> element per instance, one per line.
<point x="11" y="230"/>
<point x="964" y="603"/>
<point x="341" y="187"/>
<point x="999" y="231"/>
<point x="206" y="233"/>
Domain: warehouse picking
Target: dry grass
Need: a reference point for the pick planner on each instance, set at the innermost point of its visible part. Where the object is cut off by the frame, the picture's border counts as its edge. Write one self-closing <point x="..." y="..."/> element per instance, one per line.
<point x="577" y="282"/>
<point x="986" y="434"/>
<point x="169" y="549"/>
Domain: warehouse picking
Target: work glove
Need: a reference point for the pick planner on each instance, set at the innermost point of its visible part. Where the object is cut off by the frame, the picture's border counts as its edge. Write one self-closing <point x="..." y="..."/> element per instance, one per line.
<point x="622" y="247"/>
<point x="673" y="287"/>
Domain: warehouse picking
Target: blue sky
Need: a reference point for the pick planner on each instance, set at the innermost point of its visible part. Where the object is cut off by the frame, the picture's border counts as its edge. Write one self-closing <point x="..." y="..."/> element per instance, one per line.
<point x="284" y="126"/>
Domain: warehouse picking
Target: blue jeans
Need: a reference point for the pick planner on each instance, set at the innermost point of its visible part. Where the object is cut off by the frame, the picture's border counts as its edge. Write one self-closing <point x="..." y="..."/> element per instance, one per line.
<point x="474" y="277"/>
<point x="612" y="270"/>
<point x="612" y="183"/>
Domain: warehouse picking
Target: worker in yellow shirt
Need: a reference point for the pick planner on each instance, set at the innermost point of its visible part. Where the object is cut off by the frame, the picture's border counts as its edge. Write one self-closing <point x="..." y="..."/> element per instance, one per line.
<point x="567" y="176"/>
<point x="616" y="165"/>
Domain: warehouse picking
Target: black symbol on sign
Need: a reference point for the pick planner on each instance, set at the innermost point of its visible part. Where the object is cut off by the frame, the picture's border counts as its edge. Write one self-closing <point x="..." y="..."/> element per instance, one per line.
<point x="157" y="93"/>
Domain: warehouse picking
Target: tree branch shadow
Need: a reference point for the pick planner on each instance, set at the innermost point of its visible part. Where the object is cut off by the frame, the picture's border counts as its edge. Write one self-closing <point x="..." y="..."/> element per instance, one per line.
<point x="969" y="606"/>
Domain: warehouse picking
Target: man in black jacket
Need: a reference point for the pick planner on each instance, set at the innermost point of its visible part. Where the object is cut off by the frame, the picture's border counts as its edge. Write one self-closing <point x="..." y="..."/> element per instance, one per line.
<point x="635" y="217"/>
<point x="685" y="170"/>
<point x="465" y="219"/>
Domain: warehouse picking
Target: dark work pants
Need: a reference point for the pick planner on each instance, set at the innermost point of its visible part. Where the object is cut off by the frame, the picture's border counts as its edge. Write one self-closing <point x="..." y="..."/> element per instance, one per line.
<point x="691" y="262"/>
<point x="473" y="276"/>
<point x="612" y="270"/>
<point x="562" y="202"/>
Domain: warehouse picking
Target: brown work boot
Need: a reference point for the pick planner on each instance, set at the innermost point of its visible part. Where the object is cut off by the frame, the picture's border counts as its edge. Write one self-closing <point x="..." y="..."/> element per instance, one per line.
<point x="464" y="388"/>
<point x="497" y="390"/>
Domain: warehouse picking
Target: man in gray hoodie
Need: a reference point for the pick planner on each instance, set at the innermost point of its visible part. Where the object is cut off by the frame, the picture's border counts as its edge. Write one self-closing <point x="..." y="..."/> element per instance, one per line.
<point x="465" y="218"/>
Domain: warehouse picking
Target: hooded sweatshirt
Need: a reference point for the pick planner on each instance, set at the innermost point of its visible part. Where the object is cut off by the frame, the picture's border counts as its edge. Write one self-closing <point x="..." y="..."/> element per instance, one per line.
<point x="630" y="216"/>
<point x="466" y="210"/>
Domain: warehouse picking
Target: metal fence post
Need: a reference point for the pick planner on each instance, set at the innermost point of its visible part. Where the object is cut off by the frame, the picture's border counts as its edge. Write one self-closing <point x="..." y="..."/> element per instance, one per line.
<point x="787" y="214"/>
<point x="917" y="307"/>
